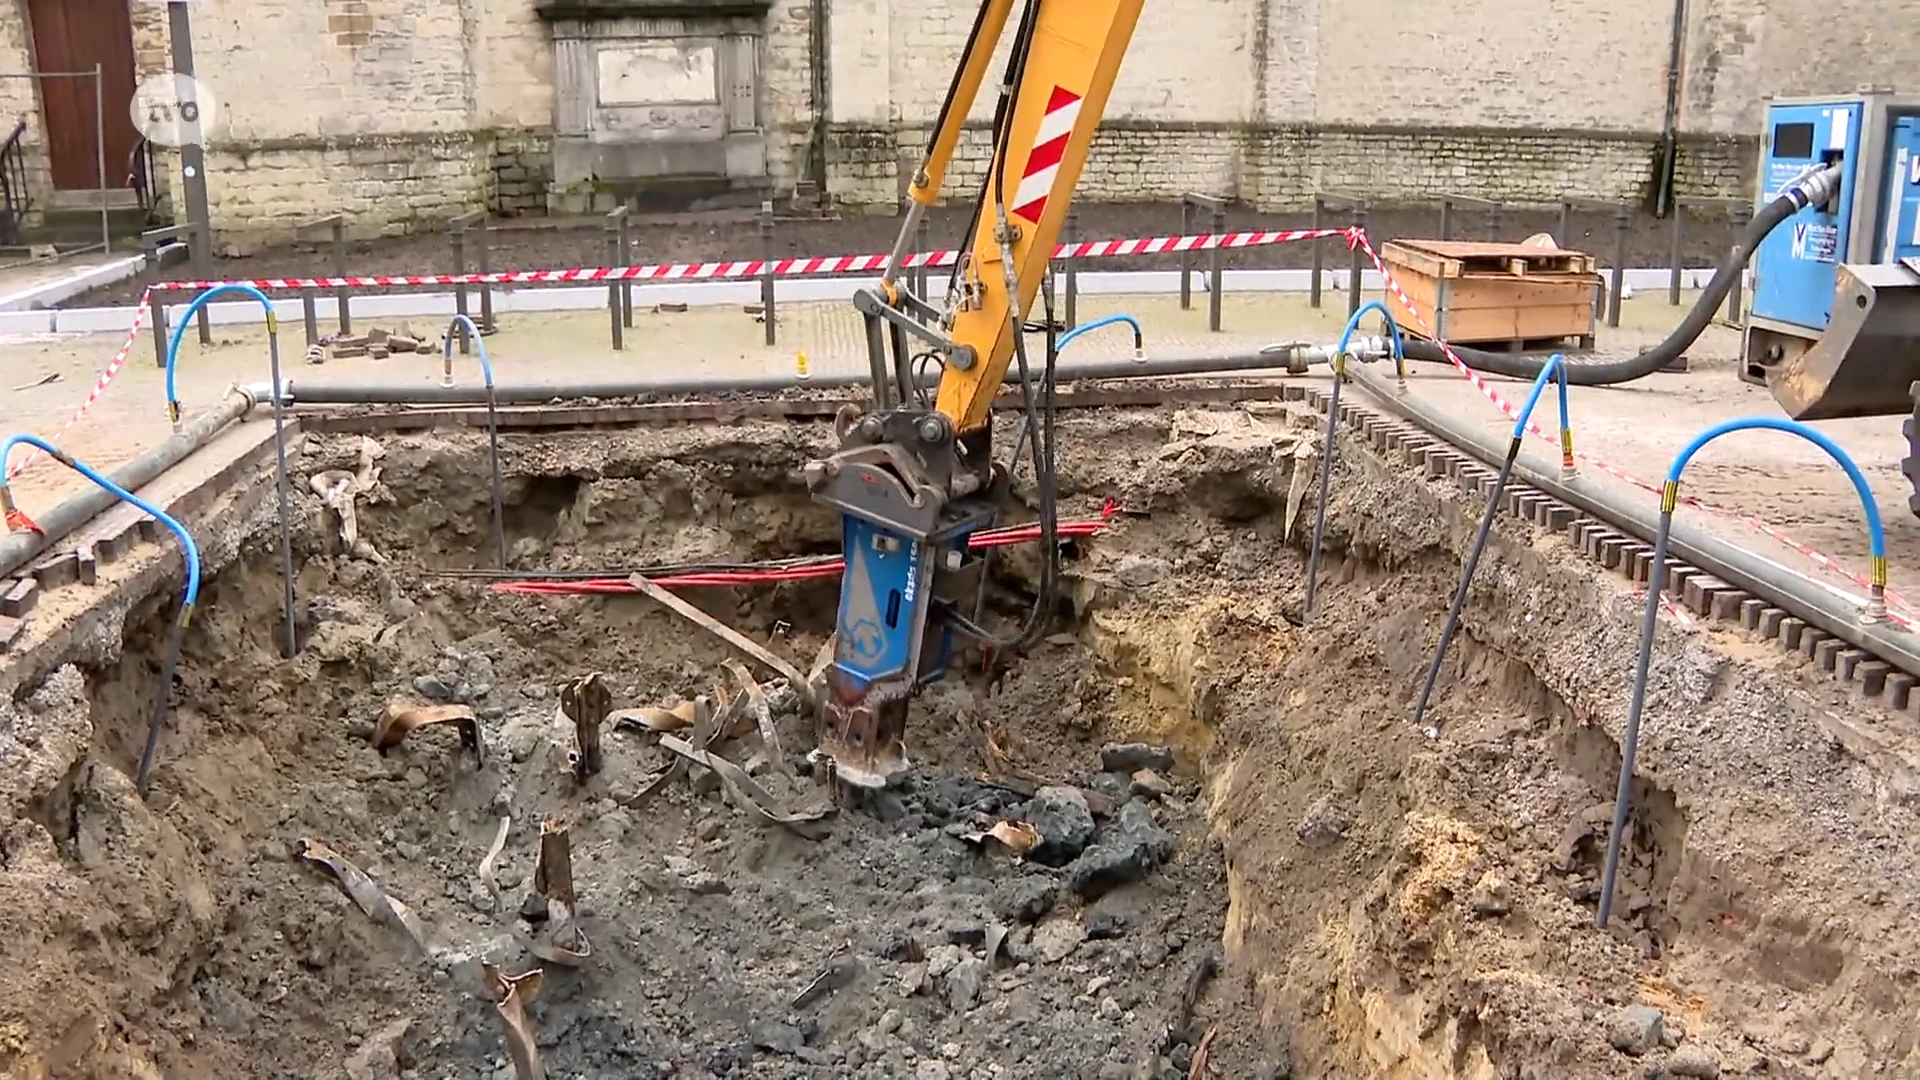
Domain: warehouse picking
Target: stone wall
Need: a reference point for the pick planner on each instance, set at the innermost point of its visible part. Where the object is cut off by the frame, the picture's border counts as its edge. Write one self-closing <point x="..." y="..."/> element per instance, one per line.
<point x="402" y="113"/>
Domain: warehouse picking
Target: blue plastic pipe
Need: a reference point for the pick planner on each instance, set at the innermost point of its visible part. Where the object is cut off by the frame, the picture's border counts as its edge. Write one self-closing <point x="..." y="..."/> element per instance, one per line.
<point x="1393" y="333"/>
<point x="189" y="595"/>
<point x="1059" y="346"/>
<point x="290" y="645"/>
<point x="493" y="423"/>
<point x="1554" y="368"/>
<point x="1139" y="338"/>
<point x="1875" y="610"/>
<point x="1333" y="431"/>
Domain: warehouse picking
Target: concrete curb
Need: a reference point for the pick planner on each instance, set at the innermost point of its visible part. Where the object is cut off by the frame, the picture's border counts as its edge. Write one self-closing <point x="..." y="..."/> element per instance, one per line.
<point x="507" y="299"/>
<point x="70" y="285"/>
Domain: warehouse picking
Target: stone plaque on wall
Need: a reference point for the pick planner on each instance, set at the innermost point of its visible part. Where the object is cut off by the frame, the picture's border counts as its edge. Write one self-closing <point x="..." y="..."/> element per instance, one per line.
<point x="669" y="73"/>
<point x="657" y="95"/>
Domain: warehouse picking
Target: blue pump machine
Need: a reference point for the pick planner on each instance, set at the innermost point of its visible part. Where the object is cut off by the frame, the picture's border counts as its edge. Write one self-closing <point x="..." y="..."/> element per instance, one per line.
<point x="1834" y="324"/>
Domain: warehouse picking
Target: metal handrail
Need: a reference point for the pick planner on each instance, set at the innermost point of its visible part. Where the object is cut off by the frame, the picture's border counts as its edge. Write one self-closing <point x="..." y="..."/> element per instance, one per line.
<point x="15" y="200"/>
<point x="140" y="173"/>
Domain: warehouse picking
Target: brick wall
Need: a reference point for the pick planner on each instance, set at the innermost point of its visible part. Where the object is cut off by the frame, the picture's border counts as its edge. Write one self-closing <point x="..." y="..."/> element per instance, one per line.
<point x="1280" y="167"/>
<point x="402" y="113"/>
<point x="20" y="100"/>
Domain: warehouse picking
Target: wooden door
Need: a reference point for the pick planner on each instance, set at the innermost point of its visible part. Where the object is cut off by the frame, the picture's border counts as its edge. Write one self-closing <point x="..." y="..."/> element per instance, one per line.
<point x="73" y="36"/>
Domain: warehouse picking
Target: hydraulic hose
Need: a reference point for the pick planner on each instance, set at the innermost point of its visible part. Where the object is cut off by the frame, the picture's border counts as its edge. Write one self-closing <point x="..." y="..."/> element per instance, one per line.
<point x="1814" y="188"/>
<point x="493" y="424"/>
<point x="189" y="594"/>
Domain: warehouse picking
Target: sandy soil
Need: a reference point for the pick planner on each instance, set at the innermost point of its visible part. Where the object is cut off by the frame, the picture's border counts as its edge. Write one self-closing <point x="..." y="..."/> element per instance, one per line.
<point x="539" y="244"/>
<point x="1322" y="890"/>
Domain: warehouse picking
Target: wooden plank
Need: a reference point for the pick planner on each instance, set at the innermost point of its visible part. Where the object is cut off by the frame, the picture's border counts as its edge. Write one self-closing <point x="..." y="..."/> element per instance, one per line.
<point x="1404" y="254"/>
<point x="56" y="570"/>
<point x="20" y="596"/>
<point x="1519" y="324"/>
<point x="1457" y="258"/>
<point x="1474" y="292"/>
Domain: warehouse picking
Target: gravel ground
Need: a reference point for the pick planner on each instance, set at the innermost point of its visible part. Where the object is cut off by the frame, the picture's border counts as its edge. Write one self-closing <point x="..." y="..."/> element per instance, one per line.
<point x="535" y="244"/>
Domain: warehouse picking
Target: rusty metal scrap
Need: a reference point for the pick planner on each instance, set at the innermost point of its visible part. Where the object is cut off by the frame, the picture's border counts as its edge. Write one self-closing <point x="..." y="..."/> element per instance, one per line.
<point x="564" y="943"/>
<point x="402" y="719"/>
<point x="762" y="714"/>
<point x="511" y="994"/>
<point x="362" y="890"/>
<point x="746" y="792"/>
<point x="754" y="650"/>
<point x="654" y="718"/>
<point x="707" y="730"/>
<point x="485" y="873"/>
<point x="586" y="701"/>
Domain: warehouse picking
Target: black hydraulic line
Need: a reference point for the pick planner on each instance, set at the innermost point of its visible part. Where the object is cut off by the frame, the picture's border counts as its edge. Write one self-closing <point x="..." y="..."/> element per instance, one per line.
<point x="668" y="570"/>
<point x="1812" y="189"/>
<point x="1452" y="625"/>
<point x="493" y="426"/>
<point x="1326" y="484"/>
<point x="170" y="662"/>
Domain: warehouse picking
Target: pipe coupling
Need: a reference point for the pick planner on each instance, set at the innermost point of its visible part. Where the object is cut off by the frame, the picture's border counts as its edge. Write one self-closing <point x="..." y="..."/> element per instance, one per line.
<point x="1817" y="188"/>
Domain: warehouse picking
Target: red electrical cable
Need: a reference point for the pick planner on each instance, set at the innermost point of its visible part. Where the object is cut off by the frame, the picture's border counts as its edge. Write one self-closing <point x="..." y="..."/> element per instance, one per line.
<point x="825" y="568"/>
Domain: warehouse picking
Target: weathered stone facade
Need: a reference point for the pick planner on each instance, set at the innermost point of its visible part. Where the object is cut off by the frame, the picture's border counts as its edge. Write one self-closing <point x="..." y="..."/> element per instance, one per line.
<point x="402" y="113"/>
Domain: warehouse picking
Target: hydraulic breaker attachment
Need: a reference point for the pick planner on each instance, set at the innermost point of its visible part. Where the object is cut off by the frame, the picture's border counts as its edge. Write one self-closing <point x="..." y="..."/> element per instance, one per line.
<point x="905" y="544"/>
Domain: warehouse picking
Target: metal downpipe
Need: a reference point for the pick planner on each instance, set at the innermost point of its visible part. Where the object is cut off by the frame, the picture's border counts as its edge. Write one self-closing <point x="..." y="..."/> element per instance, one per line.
<point x="18" y="549"/>
<point x="1641" y="518"/>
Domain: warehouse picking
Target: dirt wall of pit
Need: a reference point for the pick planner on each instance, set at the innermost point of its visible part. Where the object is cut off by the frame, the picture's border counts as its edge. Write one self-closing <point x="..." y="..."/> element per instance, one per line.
<point x="1391" y="900"/>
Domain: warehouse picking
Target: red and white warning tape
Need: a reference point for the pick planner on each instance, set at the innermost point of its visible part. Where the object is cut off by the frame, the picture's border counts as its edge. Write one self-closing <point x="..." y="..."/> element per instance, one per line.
<point x="99" y="386"/>
<point x="1824" y="561"/>
<point x="754" y="268"/>
<point x="853" y="264"/>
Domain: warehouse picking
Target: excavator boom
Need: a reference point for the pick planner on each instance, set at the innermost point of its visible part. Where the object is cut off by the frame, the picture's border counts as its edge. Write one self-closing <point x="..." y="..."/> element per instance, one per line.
<point x="915" y="477"/>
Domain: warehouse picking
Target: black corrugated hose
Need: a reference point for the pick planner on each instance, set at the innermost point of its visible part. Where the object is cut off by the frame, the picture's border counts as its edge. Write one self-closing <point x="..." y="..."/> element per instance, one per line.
<point x="1813" y="188"/>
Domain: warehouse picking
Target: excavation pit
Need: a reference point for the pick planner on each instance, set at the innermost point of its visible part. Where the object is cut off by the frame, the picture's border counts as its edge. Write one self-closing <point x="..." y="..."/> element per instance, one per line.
<point x="1233" y="844"/>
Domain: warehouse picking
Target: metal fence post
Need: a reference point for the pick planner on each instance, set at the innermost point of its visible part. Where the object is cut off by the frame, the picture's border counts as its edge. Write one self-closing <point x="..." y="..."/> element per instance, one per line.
<point x="150" y="243"/>
<point x="1446" y="219"/>
<point x="1622" y="220"/>
<point x="457" y="236"/>
<point x="159" y="314"/>
<point x="1072" y="231"/>
<point x="483" y="262"/>
<point x="310" y="315"/>
<point x="1676" y="243"/>
<point x="615" y="320"/>
<point x="310" y="295"/>
<point x="766" y="278"/>
<point x="921" y="273"/>
<point x="1319" y="255"/>
<point x="1217" y="266"/>
<point x="200" y="249"/>
<point x="1186" y="254"/>
<point x="1560" y="234"/>
<point x="626" y="260"/>
<point x="340" y="270"/>
<point x="1494" y="221"/>
<point x="1354" y="265"/>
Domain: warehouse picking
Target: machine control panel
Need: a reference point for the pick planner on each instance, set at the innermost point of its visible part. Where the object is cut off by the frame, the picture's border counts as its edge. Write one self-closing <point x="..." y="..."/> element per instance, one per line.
<point x="1794" y="270"/>
<point x="1902" y="214"/>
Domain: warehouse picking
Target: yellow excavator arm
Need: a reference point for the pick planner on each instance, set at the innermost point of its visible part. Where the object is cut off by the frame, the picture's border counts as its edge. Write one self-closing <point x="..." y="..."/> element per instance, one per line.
<point x="1061" y="93"/>
<point x="914" y="478"/>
